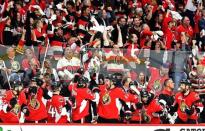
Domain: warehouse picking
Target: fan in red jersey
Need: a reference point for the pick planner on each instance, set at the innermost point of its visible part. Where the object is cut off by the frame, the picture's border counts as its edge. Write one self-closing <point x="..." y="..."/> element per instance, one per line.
<point x="188" y="104"/>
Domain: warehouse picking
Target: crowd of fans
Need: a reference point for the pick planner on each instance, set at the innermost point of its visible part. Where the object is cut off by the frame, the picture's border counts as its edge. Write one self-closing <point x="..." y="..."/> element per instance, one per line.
<point x="102" y="61"/>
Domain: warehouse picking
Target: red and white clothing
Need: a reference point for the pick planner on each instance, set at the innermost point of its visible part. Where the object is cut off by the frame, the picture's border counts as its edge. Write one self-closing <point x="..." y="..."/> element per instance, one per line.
<point x="14" y="115"/>
<point x="156" y="79"/>
<point x="36" y="107"/>
<point x="114" y="61"/>
<point x="151" y="110"/>
<point x="188" y="30"/>
<point x="82" y="96"/>
<point x="68" y="67"/>
<point x="57" y="112"/>
<point x="190" y="100"/>
<point x="109" y="107"/>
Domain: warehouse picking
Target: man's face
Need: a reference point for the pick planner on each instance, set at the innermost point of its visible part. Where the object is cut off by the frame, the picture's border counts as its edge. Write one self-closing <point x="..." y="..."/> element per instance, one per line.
<point x="184" y="88"/>
<point x="137" y="22"/>
<point x="11" y="53"/>
<point x="200" y="69"/>
<point x="128" y="82"/>
<point x="171" y="84"/>
<point x="186" y="21"/>
<point x="108" y="83"/>
<point x="122" y="22"/>
<point x="144" y="99"/>
<point x="141" y="76"/>
<point x="47" y="79"/>
<point x="164" y="71"/>
<point x="68" y="52"/>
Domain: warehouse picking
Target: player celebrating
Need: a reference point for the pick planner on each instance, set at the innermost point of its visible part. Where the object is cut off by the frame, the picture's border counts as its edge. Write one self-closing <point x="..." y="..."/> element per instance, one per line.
<point x="188" y="104"/>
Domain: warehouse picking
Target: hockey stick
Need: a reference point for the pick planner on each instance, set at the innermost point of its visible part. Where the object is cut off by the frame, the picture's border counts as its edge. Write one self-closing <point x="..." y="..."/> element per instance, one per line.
<point x="7" y="76"/>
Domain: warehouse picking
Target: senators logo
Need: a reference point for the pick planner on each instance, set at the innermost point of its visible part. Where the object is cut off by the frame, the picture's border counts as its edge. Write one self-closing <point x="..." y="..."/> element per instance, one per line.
<point x="157" y="85"/>
<point x="34" y="103"/>
<point x="61" y="100"/>
<point x="16" y="109"/>
<point x="106" y="99"/>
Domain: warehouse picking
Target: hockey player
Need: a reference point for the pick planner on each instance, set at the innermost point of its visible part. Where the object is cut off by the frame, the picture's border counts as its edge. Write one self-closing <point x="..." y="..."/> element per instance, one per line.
<point x="188" y="104"/>
<point x="166" y="99"/>
<point x="58" y="107"/>
<point x="148" y="110"/>
<point x="13" y="104"/>
<point x="36" y="109"/>
<point x="109" y="104"/>
<point x="82" y="95"/>
<point x="130" y="88"/>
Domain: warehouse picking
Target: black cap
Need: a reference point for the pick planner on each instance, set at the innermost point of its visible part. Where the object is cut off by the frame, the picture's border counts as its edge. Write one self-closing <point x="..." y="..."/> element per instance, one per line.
<point x="185" y="81"/>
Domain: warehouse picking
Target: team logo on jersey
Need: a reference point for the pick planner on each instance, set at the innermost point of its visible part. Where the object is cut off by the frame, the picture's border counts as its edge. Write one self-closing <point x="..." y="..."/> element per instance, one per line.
<point x="16" y="109"/>
<point x="183" y="106"/>
<point x="157" y="85"/>
<point x="61" y="100"/>
<point x="106" y="99"/>
<point x="34" y="103"/>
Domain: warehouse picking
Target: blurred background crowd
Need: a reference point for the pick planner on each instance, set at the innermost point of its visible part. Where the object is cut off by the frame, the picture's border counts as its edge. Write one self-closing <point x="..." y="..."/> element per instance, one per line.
<point x="82" y="51"/>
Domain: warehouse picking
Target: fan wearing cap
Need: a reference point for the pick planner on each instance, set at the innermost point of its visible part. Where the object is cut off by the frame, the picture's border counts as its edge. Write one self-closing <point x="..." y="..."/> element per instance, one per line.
<point x="148" y="110"/>
<point x="109" y="103"/>
<point x="83" y="96"/>
<point x="13" y="104"/>
<point x="58" y="107"/>
<point x="188" y="104"/>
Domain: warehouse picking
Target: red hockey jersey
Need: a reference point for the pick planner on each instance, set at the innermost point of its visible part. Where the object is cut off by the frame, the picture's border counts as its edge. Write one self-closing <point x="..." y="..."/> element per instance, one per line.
<point x="192" y="99"/>
<point x="37" y="110"/>
<point x="108" y="107"/>
<point x="82" y="96"/>
<point x="54" y="107"/>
